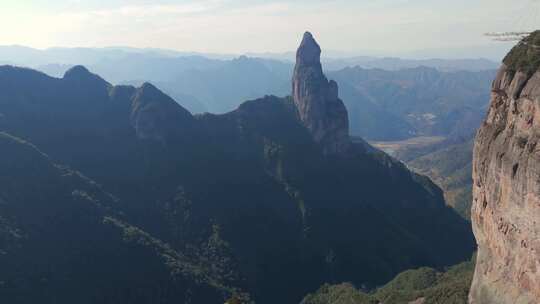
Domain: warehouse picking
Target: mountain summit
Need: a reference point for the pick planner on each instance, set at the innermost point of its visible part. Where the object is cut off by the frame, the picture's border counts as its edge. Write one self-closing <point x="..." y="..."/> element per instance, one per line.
<point x="319" y="107"/>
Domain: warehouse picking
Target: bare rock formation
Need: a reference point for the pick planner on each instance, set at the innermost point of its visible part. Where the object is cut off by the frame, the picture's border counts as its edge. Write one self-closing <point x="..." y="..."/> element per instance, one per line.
<point x="319" y="107"/>
<point x="506" y="190"/>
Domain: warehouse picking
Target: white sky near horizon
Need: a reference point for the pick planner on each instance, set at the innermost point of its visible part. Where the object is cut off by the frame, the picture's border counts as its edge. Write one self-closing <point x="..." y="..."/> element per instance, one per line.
<point x="240" y="26"/>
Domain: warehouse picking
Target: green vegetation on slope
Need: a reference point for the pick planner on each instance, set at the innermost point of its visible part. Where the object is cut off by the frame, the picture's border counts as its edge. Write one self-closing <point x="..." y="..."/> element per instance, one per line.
<point x="450" y="168"/>
<point x="425" y="285"/>
<point x="344" y="293"/>
<point x="62" y="237"/>
<point x="525" y="56"/>
<point x="447" y="162"/>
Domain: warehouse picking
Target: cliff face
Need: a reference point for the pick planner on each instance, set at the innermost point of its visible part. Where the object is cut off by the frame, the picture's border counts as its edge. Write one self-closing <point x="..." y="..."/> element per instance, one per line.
<point x="506" y="190"/>
<point x="320" y="109"/>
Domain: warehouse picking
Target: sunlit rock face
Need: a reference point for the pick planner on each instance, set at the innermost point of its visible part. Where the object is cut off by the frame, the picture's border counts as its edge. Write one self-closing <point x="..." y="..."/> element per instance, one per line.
<point x="506" y="190"/>
<point x="319" y="107"/>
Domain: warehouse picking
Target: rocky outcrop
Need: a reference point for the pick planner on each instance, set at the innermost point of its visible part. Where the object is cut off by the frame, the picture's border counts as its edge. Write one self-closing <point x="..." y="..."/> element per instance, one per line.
<point x="506" y="190"/>
<point x="319" y="107"/>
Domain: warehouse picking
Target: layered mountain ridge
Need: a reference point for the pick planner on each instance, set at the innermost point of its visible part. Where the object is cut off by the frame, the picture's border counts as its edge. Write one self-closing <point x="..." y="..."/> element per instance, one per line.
<point x="396" y="105"/>
<point x="253" y="204"/>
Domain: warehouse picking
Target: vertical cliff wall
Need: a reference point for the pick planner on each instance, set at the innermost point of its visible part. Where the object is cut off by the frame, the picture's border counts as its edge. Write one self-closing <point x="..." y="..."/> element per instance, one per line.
<point x="506" y="190"/>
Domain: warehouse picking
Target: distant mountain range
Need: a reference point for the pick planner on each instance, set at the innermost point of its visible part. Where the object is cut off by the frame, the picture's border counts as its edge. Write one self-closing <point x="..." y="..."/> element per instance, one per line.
<point x="391" y="105"/>
<point x="27" y="56"/>
<point x="394" y="64"/>
<point x="387" y="98"/>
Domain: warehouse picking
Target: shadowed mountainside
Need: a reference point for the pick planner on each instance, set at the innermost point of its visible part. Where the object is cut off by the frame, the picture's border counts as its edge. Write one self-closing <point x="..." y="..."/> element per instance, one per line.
<point x="243" y="204"/>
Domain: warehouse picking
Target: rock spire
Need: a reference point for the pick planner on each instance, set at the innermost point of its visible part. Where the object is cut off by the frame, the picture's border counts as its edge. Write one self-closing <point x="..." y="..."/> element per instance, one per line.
<point x="319" y="107"/>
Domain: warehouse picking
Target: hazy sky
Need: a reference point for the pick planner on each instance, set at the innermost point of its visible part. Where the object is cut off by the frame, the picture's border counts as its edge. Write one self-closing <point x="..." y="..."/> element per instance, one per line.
<point x="238" y="26"/>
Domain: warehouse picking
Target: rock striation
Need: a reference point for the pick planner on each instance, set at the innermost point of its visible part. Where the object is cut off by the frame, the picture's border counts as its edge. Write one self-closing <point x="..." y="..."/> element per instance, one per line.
<point x="506" y="190"/>
<point x="319" y="107"/>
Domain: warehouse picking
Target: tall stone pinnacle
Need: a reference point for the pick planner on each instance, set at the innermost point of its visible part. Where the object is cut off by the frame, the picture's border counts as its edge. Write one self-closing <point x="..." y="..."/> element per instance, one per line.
<point x="319" y="107"/>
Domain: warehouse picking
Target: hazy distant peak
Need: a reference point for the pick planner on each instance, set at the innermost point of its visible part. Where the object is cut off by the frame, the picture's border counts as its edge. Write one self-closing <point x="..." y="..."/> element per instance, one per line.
<point x="150" y="88"/>
<point x="156" y="116"/>
<point x="77" y="71"/>
<point x="81" y="75"/>
<point x="147" y="93"/>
